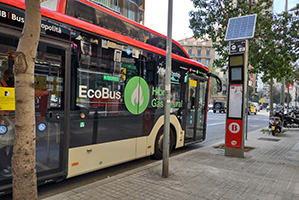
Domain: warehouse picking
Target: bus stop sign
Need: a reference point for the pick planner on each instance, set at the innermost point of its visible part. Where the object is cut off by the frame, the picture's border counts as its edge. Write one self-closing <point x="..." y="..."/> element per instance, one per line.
<point x="234" y="133"/>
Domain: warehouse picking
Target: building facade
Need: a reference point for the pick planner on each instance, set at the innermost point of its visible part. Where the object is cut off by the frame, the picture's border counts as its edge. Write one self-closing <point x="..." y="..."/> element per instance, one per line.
<point x="132" y="9"/>
<point x="199" y="50"/>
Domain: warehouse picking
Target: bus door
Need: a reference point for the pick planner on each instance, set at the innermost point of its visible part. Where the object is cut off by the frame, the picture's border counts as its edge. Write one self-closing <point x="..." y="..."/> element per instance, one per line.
<point x="50" y="114"/>
<point x="50" y="84"/>
<point x="196" y="109"/>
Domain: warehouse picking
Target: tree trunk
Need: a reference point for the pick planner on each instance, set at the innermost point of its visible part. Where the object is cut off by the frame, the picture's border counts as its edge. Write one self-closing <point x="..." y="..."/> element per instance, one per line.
<point x="288" y="98"/>
<point x="23" y="160"/>
<point x="296" y="97"/>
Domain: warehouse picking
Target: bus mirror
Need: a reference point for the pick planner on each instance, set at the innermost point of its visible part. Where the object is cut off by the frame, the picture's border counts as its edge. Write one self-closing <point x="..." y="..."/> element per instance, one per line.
<point x="218" y="81"/>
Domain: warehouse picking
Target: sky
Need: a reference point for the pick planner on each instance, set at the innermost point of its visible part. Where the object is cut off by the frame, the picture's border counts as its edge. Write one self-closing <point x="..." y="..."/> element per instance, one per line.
<point x="156" y="15"/>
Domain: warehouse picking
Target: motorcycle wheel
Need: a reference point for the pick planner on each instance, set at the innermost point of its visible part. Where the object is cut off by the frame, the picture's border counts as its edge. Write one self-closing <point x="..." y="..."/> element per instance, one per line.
<point x="273" y="133"/>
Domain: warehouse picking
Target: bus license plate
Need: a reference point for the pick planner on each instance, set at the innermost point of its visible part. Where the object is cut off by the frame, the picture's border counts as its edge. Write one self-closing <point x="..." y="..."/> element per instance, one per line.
<point x="273" y="128"/>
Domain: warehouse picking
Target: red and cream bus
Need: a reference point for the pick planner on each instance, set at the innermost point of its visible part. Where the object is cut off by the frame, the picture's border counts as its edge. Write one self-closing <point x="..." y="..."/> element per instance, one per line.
<point x="105" y="77"/>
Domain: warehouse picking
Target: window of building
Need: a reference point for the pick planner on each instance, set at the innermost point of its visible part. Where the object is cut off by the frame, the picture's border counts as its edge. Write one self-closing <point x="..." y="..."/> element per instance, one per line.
<point x="208" y="52"/>
<point x="131" y="12"/>
<point x="198" y="60"/>
<point x="116" y="5"/>
<point x="207" y="61"/>
<point x="190" y="51"/>
<point x="199" y="52"/>
<point x="104" y="2"/>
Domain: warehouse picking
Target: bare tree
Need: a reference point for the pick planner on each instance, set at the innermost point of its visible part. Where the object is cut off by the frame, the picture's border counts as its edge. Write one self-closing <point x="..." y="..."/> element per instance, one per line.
<point x="23" y="160"/>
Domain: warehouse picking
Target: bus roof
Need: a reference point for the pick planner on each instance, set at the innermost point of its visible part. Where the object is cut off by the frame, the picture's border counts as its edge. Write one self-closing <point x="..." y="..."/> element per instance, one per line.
<point x="80" y="24"/>
<point x="104" y="17"/>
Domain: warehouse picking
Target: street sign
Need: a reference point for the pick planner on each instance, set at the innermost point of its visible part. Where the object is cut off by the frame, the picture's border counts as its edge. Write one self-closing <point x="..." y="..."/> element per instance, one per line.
<point x="3" y="129"/>
<point x="41" y="127"/>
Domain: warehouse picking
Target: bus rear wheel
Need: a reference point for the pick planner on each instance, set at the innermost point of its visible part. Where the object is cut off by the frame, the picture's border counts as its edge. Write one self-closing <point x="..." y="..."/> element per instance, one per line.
<point x="159" y="144"/>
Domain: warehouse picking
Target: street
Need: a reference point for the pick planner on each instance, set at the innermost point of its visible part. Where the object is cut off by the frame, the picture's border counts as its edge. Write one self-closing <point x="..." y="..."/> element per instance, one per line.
<point x="216" y="124"/>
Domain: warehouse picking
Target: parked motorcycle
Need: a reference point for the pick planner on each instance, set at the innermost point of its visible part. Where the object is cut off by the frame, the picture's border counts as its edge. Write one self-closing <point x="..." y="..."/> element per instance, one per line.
<point x="294" y="113"/>
<point x="275" y="125"/>
<point x="288" y="120"/>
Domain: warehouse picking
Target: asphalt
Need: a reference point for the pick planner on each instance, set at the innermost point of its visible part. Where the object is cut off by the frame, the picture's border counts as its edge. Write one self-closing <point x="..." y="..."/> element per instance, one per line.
<point x="269" y="171"/>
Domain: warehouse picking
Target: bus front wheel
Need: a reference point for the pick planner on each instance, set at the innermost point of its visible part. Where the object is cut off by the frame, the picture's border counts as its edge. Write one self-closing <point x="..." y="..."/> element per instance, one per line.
<point x="159" y="144"/>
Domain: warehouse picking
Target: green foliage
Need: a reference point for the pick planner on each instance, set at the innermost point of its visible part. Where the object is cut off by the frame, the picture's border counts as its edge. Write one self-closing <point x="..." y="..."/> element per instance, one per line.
<point x="276" y="41"/>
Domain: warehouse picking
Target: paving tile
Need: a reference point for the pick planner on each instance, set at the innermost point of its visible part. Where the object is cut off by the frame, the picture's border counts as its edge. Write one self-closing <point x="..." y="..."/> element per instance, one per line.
<point x="269" y="172"/>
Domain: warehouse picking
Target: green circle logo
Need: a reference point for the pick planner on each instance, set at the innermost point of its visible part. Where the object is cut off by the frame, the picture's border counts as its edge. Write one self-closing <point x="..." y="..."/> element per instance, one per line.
<point x="136" y="95"/>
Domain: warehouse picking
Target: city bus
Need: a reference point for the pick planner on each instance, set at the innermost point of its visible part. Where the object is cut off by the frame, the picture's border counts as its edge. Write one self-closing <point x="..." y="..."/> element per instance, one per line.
<point x="100" y="80"/>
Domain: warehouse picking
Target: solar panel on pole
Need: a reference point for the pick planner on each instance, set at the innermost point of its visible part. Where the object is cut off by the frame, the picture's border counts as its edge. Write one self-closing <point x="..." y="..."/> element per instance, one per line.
<point x="240" y="27"/>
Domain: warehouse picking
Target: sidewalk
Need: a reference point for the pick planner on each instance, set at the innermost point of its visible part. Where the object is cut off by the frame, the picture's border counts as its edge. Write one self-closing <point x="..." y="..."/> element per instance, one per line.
<point x="269" y="171"/>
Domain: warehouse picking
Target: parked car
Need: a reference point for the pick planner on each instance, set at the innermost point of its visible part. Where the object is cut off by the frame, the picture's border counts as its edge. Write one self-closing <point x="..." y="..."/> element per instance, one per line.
<point x="210" y="106"/>
<point x="219" y="106"/>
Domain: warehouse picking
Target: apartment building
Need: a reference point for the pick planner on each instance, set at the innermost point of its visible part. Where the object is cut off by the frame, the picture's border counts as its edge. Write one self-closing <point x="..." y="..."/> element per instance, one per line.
<point x="199" y="50"/>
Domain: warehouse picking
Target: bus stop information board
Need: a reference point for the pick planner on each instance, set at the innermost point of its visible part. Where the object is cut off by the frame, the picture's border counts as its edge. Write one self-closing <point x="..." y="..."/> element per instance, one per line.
<point x="234" y="121"/>
<point x="238" y="31"/>
<point x="235" y="100"/>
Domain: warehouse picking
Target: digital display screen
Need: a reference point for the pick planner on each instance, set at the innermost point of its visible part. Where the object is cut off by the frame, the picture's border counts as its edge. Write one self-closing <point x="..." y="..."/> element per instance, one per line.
<point x="236" y="74"/>
<point x="236" y="60"/>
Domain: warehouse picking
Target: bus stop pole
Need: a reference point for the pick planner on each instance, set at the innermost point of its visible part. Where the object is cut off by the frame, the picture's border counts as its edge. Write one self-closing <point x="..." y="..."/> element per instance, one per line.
<point x="247" y="107"/>
<point x="165" y="164"/>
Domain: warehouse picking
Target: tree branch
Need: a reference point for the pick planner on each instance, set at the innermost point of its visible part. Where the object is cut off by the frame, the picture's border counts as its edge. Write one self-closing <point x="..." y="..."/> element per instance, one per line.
<point x="225" y="15"/>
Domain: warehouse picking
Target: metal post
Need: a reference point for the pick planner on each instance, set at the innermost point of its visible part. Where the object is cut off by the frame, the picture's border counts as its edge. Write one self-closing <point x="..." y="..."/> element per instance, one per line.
<point x="246" y="110"/>
<point x="283" y="81"/>
<point x="283" y="91"/>
<point x="167" y="90"/>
